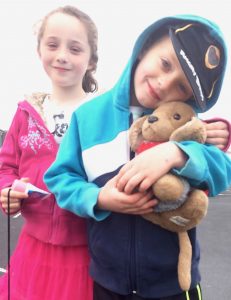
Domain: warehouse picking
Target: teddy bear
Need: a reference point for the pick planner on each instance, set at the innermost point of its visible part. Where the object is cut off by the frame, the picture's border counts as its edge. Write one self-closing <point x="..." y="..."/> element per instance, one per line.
<point x="180" y="207"/>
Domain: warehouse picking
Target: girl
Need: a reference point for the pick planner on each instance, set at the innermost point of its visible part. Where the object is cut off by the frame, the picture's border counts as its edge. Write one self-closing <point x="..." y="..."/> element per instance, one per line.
<point x="132" y="258"/>
<point x="51" y="257"/>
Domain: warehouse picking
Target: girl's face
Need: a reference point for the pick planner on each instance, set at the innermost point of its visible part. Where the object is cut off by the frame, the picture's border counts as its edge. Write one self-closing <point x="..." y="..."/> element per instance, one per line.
<point x="64" y="50"/>
<point x="159" y="77"/>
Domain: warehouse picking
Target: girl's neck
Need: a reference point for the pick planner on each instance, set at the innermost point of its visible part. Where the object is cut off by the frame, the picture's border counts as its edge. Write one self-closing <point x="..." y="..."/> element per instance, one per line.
<point x="67" y="96"/>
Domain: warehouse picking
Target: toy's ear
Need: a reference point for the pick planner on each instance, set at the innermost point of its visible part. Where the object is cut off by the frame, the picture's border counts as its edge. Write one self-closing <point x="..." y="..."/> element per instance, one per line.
<point x="193" y="130"/>
<point x="135" y="133"/>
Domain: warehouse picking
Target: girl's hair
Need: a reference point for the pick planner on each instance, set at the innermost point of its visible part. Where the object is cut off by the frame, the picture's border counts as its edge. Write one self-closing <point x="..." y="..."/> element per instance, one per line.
<point x="89" y="82"/>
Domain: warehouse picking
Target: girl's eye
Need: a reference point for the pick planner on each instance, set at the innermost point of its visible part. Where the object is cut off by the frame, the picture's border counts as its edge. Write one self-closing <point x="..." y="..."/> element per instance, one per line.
<point x="75" y="50"/>
<point x="52" y="46"/>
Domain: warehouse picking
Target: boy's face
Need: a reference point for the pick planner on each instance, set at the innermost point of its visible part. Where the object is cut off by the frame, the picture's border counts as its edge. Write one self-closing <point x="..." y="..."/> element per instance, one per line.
<point x="159" y="77"/>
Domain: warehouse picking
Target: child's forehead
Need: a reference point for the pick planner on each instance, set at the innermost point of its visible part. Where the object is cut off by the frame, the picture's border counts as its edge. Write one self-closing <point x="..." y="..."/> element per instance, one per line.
<point x="63" y="25"/>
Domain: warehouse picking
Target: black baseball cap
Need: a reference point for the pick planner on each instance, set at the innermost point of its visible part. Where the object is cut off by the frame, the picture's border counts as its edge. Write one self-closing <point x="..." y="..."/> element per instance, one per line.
<point x="202" y="59"/>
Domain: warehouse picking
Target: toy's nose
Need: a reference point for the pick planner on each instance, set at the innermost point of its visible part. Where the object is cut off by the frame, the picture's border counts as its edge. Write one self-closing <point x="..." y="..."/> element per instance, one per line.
<point x="152" y="119"/>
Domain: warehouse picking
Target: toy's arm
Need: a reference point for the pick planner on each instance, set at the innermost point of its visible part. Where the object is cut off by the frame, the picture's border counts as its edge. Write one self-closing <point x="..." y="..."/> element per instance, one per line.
<point x="193" y="130"/>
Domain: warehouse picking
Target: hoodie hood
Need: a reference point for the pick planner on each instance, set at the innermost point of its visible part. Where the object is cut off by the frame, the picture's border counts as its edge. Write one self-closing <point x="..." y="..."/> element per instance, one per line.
<point x="121" y="90"/>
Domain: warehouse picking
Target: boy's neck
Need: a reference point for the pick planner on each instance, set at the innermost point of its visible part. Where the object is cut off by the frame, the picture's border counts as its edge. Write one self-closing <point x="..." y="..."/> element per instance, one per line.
<point x="133" y="99"/>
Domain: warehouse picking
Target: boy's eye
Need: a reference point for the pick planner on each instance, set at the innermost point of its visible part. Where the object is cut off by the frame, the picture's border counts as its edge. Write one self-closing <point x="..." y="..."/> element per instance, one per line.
<point x="183" y="88"/>
<point x="165" y="64"/>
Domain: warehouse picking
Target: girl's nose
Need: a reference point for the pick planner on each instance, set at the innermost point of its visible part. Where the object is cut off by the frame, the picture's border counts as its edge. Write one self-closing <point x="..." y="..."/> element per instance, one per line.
<point x="61" y="60"/>
<point x="62" y="56"/>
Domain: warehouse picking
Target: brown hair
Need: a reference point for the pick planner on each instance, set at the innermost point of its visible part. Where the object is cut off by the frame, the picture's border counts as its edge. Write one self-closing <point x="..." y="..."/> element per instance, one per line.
<point x="89" y="82"/>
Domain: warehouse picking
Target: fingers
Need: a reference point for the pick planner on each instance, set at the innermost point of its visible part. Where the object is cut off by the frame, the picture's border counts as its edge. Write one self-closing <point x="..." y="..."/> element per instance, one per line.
<point x="218" y="142"/>
<point x="25" y="179"/>
<point x="15" y="199"/>
<point x="138" y="203"/>
<point x="218" y="134"/>
<point x="129" y="182"/>
<point x="219" y="125"/>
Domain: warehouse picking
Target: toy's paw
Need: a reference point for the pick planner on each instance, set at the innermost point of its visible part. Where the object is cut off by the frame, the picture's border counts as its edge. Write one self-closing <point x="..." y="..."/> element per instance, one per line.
<point x="185" y="217"/>
<point x="171" y="188"/>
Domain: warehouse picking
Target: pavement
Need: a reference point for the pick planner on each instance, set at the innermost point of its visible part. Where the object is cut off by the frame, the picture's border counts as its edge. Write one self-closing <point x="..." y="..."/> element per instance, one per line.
<point x="214" y="234"/>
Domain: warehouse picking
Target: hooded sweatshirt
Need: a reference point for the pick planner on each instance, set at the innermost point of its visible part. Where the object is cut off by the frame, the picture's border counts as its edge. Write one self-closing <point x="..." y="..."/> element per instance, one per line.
<point x="128" y="253"/>
<point x="29" y="149"/>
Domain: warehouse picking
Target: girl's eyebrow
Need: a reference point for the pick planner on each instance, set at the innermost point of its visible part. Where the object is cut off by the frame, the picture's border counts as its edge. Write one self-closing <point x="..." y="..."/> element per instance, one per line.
<point x="79" y="42"/>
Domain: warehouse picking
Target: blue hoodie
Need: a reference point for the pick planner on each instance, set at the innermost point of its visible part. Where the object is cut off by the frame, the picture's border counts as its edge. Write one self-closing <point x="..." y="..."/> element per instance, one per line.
<point x="128" y="253"/>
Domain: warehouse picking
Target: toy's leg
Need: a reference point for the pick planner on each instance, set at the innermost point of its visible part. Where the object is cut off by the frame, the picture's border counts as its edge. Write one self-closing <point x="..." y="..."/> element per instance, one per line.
<point x="184" y="261"/>
<point x="171" y="188"/>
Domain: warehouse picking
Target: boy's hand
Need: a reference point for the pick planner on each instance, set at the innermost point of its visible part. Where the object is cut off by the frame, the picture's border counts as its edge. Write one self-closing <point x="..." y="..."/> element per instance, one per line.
<point x="110" y="198"/>
<point x="146" y="168"/>
<point x="14" y="200"/>
<point x="217" y="134"/>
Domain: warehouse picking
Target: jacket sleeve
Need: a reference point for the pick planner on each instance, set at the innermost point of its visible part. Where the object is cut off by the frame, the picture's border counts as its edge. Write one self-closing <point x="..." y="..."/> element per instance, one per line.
<point x="10" y="153"/>
<point x="206" y="167"/>
<point x="67" y="180"/>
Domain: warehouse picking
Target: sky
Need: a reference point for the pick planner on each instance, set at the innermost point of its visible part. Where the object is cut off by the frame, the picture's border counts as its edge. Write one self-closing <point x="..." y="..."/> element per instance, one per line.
<point x="119" y="23"/>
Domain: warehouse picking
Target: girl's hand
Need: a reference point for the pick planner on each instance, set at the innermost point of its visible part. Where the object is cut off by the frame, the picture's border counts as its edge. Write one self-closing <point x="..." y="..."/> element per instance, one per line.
<point x="146" y="168"/>
<point x="15" y="199"/>
<point x="217" y="134"/>
<point x="110" y="198"/>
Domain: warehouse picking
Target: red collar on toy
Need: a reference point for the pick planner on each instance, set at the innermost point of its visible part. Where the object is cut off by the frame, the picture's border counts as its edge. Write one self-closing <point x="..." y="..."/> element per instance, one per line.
<point x="146" y="145"/>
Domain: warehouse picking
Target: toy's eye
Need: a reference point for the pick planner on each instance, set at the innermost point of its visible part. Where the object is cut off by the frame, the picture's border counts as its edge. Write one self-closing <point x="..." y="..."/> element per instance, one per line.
<point x="177" y="117"/>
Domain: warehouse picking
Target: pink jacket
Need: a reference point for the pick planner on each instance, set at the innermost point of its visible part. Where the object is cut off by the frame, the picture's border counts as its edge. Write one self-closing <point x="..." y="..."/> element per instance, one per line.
<point x="28" y="150"/>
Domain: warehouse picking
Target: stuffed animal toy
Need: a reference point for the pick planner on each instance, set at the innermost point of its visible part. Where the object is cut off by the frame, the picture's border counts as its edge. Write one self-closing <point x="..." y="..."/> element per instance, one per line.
<point x="180" y="206"/>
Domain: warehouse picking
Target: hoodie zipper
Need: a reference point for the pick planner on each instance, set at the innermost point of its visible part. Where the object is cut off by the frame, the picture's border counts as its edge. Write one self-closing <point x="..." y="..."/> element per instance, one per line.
<point x="132" y="268"/>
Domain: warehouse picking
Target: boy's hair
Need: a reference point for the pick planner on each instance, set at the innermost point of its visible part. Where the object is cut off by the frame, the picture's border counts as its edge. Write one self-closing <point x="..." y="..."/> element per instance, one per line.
<point x="89" y="82"/>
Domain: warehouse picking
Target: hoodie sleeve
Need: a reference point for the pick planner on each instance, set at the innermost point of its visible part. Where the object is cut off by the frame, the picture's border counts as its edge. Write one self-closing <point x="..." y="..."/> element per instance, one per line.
<point x="66" y="178"/>
<point x="207" y="166"/>
<point x="10" y="153"/>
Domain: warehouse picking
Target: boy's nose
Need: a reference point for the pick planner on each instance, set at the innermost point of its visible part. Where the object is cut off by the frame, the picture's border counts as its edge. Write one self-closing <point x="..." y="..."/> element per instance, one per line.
<point x="166" y="81"/>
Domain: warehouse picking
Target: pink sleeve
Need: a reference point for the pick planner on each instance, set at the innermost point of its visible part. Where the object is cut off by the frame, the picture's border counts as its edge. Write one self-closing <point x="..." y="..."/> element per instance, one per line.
<point x="229" y="129"/>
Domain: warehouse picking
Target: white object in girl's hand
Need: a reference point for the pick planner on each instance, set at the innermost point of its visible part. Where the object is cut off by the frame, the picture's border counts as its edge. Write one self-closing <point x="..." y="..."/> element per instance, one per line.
<point x="30" y="189"/>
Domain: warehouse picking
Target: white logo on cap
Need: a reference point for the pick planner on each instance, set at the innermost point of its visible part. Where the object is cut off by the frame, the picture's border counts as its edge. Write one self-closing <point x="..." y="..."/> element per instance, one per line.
<point x="191" y="67"/>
